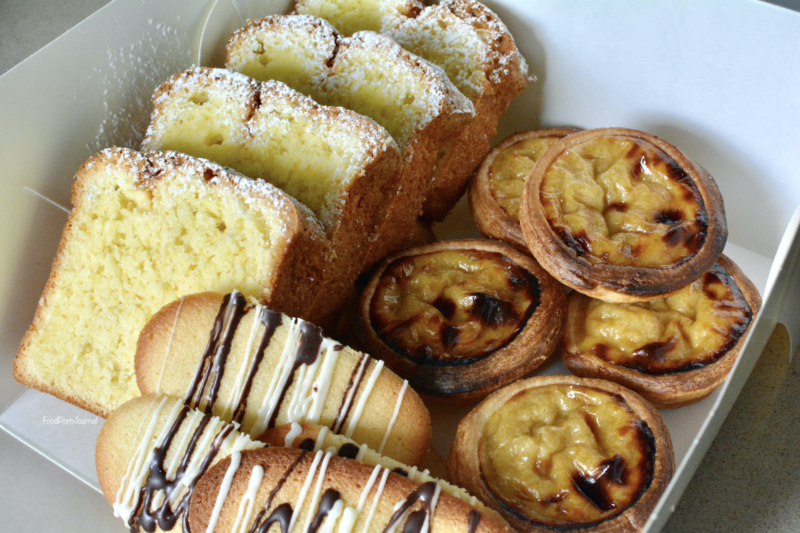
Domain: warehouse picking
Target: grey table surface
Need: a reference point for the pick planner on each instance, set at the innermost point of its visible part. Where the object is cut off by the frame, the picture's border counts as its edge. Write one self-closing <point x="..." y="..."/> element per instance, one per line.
<point x="748" y="482"/>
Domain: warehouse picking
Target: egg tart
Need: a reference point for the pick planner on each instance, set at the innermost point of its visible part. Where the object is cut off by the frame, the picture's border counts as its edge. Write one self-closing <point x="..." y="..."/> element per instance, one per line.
<point x="562" y="453"/>
<point x="494" y="192"/>
<point x="673" y="351"/>
<point x="459" y="319"/>
<point x="622" y="215"/>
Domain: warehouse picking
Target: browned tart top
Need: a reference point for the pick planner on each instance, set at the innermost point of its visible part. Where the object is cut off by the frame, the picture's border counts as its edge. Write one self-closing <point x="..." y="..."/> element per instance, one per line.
<point x="452" y="307"/>
<point x="688" y="330"/>
<point x="566" y="455"/>
<point x="625" y="202"/>
<point x="512" y="166"/>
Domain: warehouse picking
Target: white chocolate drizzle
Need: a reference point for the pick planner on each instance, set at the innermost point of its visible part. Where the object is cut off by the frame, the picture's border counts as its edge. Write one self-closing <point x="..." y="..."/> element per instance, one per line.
<point x="169" y="345"/>
<point x="245" y="510"/>
<point x="351" y="392"/>
<point x="236" y="459"/>
<point x="362" y="401"/>
<point x="249" y="359"/>
<point x="320" y="438"/>
<point x="375" y="500"/>
<point x="294" y="431"/>
<point x="394" y="415"/>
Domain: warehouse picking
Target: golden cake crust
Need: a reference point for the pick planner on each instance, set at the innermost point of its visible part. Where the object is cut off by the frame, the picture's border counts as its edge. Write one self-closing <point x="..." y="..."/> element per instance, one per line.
<point x="531" y="346"/>
<point x="334" y="72"/>
<point x="489" y="70"/>
<point x="170" y="349"/>
<point x="345" y="476"/>
<point x="665" y="391"/>
<point x="285" y="287"/>
<point x="464" y="465"/>
<point x="621" y="283"/>
<point x="252" y="119"/>
<point x="490" y="217"/>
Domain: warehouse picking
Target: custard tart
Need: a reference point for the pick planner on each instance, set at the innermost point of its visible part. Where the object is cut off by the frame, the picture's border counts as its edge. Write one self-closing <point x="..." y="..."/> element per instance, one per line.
<point x="564" y="453"/>
<point x="459" y="319"/>
<point x="495" y="191"/>
<point x="674" y="351"/>
<point x="622" y="215"/>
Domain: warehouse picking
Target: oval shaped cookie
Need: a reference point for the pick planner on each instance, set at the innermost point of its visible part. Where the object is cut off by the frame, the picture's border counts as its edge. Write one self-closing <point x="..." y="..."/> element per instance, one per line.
<point x="622" y="215"/>
<point x="459" y="319"/>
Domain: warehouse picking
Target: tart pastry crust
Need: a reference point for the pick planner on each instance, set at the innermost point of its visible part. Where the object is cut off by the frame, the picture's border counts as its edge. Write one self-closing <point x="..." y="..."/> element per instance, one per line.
<point x="690" y="246"/>
<point x="472" y="377"/>
<point x="667" y="390"/>
<point x="465" y="468"/>
<point x="492" y="219"/>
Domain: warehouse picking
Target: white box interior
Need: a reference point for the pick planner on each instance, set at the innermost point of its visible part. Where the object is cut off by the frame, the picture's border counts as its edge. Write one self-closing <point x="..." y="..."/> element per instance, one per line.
<point x="717" y="79"/>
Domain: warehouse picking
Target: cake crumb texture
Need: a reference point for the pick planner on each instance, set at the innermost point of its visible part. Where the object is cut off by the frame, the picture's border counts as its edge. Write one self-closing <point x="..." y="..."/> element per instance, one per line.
<point x="144" y="230"/>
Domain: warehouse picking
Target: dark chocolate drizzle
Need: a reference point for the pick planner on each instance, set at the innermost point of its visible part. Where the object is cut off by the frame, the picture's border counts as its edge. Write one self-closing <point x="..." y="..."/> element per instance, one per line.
<point x="165" y="516"/>
<point x="307" y="445"/>
<point x="212" y="362"/>
<point x="474" y="520"/>
<point x="349" y="450"/>
<point x="400" y="471"/>
<point x="355" y="381"/>
<point x="326" y="503"/>
<point x="307" y="353"/>
<point x="271" y="321"/>
<point x="282" y="514"/>
<point x="416" y="519"/>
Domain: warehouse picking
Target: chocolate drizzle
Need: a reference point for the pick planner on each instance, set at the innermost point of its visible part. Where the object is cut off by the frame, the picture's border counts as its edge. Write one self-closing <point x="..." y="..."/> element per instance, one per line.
<point x="416" y="519"/>
<point x="349" y="450"/>
<point x="271" y="321"/>
<point x="282" y="514"/>
<point x="307" y="445"/>
<point x="355" y="381"/>
<point x="212" y="362"/>
<point x="326" y="503"/>
<point x="307" y="353"/>
<point x="474" y="520"/>
<point x="165" y="516"/>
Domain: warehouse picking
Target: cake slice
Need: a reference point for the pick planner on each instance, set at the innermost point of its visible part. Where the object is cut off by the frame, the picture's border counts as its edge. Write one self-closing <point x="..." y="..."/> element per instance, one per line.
<point x="144" y="230"/>
<point x="246" y="363"/>
<point x="310" y="492"/>
<point x="372" y="75"/>
<point x="471" y="44"/>
<point x="338" y="163"/>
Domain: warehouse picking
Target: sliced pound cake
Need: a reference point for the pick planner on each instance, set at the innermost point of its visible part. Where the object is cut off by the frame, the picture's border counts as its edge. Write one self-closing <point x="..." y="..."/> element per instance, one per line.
<point x="471" y="44"/>
<point x="372" y="75"/>
<point x="144" y="230"/>
<point x="338" y="163"/>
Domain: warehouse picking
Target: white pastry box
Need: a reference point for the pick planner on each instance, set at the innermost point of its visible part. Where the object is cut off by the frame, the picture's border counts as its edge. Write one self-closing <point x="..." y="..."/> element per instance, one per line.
<point x="717" y="79"/>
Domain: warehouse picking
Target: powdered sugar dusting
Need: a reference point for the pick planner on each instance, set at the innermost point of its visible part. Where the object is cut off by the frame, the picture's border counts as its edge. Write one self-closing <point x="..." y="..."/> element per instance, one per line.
<point x="369" y="50"/>
<point x="263" y="117"/>
<point x="128" y="79"/>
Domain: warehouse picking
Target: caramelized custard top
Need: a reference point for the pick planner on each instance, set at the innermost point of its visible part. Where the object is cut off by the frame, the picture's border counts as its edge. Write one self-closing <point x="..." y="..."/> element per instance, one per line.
<point x="690" y="329"/>
<point x="625" y="202"/>
<point x="452" y="307"/>
<point x="566" y="455"/>
<point x="510" y="169"/>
